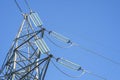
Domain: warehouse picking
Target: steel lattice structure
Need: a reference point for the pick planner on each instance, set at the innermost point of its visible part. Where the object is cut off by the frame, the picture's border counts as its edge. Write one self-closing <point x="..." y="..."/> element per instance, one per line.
<point x="24" y="60"/>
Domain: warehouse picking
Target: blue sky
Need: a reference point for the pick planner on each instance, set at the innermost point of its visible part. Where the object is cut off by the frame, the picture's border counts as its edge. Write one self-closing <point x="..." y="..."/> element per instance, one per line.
<point x="94" y="24"/>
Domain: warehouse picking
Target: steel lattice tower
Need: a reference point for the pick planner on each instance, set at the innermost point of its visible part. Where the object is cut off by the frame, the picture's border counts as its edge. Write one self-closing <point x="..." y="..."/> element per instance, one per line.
<point x="24" y="60"/>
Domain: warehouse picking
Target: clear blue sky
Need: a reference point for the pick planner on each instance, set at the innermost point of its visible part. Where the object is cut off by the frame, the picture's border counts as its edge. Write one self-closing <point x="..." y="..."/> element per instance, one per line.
<point x="94" y="24"/>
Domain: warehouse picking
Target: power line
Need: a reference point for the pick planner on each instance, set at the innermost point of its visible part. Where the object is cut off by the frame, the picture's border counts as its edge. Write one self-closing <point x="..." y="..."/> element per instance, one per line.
<point x="20" y="9"/>
<point x="26" y="2"/>
<point x="18" y="6"/>
<point x="93" y="74"/>
<point x="98" y="54"/>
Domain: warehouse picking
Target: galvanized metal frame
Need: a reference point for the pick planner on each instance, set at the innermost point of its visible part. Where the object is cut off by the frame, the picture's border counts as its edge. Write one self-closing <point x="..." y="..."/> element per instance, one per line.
<point x="24" y="61"/>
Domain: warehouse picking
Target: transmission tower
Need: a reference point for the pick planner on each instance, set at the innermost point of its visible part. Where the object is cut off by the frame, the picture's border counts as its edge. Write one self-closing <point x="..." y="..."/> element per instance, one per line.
<point x="24" y="57"/>
<point x="29" y="56"/>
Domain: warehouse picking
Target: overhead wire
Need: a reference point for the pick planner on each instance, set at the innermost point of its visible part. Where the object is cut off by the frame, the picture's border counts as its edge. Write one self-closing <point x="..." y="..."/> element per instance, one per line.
<point x="93" y="74"/>
<point x="26" y="2"/>
<point x="98" y="54"/>
<point x="20" y="9"/>
<point x="18" y="6"/>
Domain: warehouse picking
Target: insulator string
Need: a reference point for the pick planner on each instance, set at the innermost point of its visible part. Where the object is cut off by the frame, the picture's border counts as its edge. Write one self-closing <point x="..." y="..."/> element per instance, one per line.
<point x="83" y="72"/>
<point x="67" y="73"/>
<point x="57" y="44"/>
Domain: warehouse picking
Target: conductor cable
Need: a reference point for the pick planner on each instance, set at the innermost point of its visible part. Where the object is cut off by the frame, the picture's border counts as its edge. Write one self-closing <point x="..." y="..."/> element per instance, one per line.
<point x="93" y="74"/>
<point x="26" y="2"/>
<point x="18" y="6"/>
<point x="98" y="54"/>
